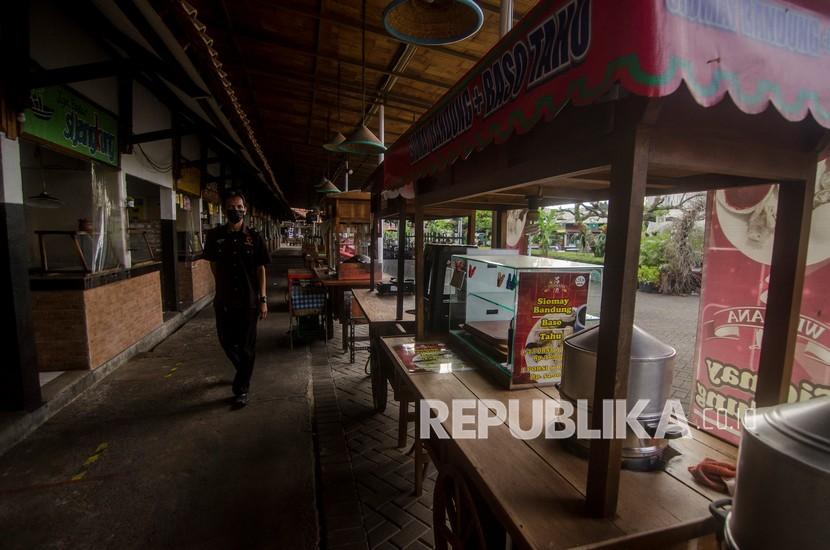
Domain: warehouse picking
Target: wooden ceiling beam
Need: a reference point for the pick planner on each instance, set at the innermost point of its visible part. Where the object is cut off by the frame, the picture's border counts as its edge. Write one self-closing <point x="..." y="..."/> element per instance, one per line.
<point x="268" y="108"/>
<point x="345" y="89"/>
<point x="349" y="23"/>
<point x="268" y="38"/>
<point x="317" y="43"/>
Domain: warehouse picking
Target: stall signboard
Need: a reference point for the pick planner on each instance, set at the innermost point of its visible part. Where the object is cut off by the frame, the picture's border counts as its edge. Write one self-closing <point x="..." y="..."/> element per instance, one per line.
<point x="547" y="309"/>
<point x="430" y="357"/>
<point x="575" y="51"/>
<point x="736" y="268"/>
<point x="190" y="181"/>
<point x="61" y="116"/>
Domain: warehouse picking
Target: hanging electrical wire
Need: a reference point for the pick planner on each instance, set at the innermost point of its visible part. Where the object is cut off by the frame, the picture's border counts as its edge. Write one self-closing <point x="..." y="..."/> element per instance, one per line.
<point x="156" y="166"/>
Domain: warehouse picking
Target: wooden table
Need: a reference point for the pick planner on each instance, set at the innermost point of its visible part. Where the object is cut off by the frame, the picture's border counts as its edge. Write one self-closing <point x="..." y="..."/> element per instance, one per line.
<point x="381" y="315"/>
<point x="336" y="289"/>
<point x="535" y="489"/>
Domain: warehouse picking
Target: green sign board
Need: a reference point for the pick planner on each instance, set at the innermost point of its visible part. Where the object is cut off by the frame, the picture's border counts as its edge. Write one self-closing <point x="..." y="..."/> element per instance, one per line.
<point x="61" y="116"/>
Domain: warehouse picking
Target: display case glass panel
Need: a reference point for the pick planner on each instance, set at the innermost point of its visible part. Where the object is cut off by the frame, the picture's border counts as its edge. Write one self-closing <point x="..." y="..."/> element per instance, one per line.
<point x="512" y="313"/>
<point x="352" y="243"/>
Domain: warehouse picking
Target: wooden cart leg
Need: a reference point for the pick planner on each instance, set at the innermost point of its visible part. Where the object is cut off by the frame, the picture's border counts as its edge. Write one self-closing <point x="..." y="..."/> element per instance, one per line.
<point x="456" y="522"/>
<point x="403" y="418"/>
<point x="421" y="457"/>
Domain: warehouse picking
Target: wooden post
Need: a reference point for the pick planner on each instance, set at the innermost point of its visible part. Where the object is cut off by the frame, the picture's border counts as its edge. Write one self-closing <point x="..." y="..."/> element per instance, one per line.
<point x="401" y="248"/>
<point x="419" y="271"/>
<point x="471" y="229"/>
<point x="625" y="214"/>
<point x="125" y="112"/>
<point x="373" y="238"/>
<point x="786" y="281"/>
<point x="497" y="229"/>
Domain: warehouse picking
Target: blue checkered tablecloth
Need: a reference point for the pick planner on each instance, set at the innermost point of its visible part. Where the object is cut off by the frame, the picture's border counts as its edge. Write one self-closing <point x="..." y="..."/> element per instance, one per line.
<point x="305" y="298"/>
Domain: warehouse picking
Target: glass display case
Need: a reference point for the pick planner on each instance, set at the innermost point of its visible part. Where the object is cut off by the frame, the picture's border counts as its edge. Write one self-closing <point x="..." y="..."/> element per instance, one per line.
<point x="512" y="313"/>
<point x="351" y="246"/>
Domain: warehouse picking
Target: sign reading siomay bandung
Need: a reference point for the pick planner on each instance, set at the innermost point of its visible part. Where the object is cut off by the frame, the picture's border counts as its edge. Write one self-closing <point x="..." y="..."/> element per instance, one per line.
<point x="62" y="117"/>
<point x="759" y="52"/>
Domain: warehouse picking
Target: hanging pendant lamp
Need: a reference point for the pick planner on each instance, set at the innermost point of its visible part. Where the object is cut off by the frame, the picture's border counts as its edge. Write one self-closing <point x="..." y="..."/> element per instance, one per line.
<point x="362" y="141"/>
<point x="42" y="199"/>
<point x="432" y="22"/>
<point x="327" y="188"/>
<point x="335" y="142"/>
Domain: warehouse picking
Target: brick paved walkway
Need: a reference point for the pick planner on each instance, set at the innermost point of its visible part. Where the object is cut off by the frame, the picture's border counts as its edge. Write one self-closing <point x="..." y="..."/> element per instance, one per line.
<point x="365" y="480"/>
<point x="672" y="319"/>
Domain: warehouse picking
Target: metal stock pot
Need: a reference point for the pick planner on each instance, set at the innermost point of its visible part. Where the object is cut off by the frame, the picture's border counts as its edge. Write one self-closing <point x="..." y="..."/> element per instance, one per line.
<point x="649" y="378"/>
<point x="649" y="374"/>
<point x="782" y="491"/>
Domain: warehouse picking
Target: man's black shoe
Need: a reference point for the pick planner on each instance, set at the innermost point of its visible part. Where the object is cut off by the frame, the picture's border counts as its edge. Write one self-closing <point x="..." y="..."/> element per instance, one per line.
<point x="241" y="400"/>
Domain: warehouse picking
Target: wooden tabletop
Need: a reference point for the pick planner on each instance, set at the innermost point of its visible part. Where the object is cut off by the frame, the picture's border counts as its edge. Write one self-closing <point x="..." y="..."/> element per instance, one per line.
<point x="537" y="488"/>
<point x="383" y="309"/>
<point x="299" y="273"/>
<point x="322" y="273"/>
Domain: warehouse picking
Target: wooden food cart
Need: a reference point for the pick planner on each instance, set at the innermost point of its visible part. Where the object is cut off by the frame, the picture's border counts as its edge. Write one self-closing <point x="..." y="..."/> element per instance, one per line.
<point x="605" y="100"/>
<point x="349" y="220"/>
<point x="385" y="312"/>
<point x="382" y="317"/>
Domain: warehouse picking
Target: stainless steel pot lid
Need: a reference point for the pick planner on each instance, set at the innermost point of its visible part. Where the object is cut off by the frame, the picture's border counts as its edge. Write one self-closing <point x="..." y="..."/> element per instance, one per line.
<point x="644" y="346"/>
<point x="799" y="430"/>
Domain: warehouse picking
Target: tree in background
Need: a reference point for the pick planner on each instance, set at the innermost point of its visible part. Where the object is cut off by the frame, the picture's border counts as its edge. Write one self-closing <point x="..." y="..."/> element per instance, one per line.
<point x="548" y="225"/>
<point x="484" y="224"/>
<point x="581" y="211"/>
<point x="681" y="252"/>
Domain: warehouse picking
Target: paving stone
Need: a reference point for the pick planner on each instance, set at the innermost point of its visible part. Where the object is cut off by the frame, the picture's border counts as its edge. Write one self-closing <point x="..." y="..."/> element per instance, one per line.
<point x="381" y="533"/>
<point x="382" y="474"/>
<point x="395" y="514"/>
<point x="409" y="534"/>
<point x="342" y="537"/>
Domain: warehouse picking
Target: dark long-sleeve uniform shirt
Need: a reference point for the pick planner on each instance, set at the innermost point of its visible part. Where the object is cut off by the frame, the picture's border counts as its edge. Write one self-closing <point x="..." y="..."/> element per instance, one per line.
<point x="237" y="255"/>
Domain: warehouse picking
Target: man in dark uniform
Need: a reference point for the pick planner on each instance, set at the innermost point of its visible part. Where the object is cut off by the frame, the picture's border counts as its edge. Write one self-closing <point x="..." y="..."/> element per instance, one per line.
<point x="238" y="257"/>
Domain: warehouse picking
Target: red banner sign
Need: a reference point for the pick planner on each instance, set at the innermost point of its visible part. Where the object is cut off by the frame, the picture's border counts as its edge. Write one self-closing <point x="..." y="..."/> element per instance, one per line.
<point x="736" y="270"/>
<point x="759" y="52"/>
<point x="548" y="305"/>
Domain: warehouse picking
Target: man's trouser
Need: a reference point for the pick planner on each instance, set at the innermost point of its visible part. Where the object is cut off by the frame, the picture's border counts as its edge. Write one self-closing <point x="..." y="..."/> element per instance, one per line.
<point x="237" y="335"/>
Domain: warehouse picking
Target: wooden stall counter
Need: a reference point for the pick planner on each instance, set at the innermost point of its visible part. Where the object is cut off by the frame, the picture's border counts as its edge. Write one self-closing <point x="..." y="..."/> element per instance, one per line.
<point x="383" y="308"/>
<point x="382" y="317"/>
<point x="535" y="488"/>
<point x="337" y="303"/>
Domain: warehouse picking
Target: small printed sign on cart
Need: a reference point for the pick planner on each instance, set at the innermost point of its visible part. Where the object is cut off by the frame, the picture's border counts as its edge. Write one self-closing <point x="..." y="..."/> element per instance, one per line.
<point x="434" y="358"/>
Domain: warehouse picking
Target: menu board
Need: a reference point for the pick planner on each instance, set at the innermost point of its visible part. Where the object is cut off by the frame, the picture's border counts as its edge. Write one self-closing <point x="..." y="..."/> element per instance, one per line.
<point x="430" y="357"/>
<point x="736" y="269"/>
<point x="548" y="306"/>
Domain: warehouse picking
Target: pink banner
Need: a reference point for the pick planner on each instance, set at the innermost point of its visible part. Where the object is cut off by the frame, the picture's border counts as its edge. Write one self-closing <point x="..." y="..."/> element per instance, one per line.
<point x="573" y="51"/>
<point x="739" y="238"/>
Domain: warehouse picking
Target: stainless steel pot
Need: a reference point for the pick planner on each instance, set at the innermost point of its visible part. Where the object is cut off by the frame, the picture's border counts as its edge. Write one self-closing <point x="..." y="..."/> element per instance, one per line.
<point x="782" y="491"/>
<point x="649" y="373"/>
<point x="649" y="378"/>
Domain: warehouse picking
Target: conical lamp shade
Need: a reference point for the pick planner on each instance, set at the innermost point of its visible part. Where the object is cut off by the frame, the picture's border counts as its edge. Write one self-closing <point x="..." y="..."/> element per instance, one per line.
<point x="328" y="188"/>
<point x="363" y="142"/>
<point x="324" y="181"/>
<point x="43" y="200"/>
<point x="432" y="22"/>
<point x="334" y="144"/>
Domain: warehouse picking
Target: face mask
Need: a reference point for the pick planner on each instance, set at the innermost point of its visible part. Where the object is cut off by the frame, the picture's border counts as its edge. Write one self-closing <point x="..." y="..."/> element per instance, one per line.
<point x="235" y="216"/>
